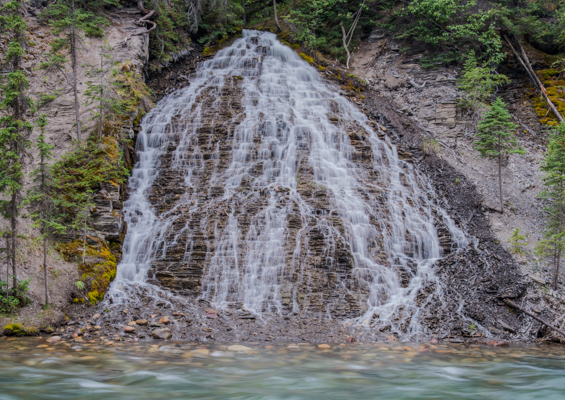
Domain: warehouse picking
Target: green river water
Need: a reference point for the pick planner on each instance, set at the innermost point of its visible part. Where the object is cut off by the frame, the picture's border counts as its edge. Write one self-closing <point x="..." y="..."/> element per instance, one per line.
<point x="169" y="370"/>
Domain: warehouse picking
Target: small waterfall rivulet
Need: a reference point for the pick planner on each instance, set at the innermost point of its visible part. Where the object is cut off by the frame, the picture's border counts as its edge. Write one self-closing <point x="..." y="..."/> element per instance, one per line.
<point x="260" y="187"/>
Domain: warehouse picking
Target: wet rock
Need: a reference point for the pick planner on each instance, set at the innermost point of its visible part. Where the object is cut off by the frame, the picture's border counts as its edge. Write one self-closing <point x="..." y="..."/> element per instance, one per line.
<point x="162" y="334"/>
<point x="155" y="324"/>
<point x="54" y="339"/>
<point x="238" y="347"/>
<point x="324" y="346"/>
<point x="498" y="343"/>
<point x="350" y="339"/>
<point x="165" y="321"/>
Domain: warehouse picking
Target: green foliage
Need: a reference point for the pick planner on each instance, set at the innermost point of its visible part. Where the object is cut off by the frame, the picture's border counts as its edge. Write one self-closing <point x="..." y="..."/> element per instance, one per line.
<point x="79" y="285"/>
<point x="553" y="242"/>
<point x="82" y="15"/>
<point x="14" y="128"/>
<point x="518" y="243"/>
<point x="496" y="133"/>
<point x="40" y="198"/>
<point x="176" y="20"/>
<point x="317" y="23"/>
<point x="80" y="173"/>
<point x="430" y="146"/>
<point x="496" y="138"/>
<point x="451" y="25"/>
<point x="479" y="81"/>
<point x="10" y="299"/>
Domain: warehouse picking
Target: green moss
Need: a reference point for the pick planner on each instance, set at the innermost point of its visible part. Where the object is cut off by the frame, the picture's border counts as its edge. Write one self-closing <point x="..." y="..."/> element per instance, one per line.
<point x="98" y="273"/>
<point x="306" y="58"/>
<point x="209" y="51"/>
<point x="556" y="93"/>
<point x="15" y="329"/>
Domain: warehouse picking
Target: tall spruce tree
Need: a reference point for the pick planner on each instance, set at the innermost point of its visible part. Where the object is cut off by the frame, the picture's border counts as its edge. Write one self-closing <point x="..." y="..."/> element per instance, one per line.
<point x="70" y="19"/>
<point x="496" y="138"/>
<point x="553" y="242"/>
<point x="40" y="197"/>
<point x="14" y="129"/>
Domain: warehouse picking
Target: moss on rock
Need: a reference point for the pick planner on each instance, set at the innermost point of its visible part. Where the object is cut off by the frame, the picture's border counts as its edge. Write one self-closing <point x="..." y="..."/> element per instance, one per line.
<point x="16" y="329"/>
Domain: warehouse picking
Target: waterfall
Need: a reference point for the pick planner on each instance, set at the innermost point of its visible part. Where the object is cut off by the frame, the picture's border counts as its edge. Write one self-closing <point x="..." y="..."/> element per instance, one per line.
<point x="260" y="187"/>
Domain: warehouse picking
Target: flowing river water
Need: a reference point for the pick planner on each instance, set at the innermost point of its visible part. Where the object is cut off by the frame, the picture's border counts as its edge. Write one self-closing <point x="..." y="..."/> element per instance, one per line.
<point x="31" y="369"/>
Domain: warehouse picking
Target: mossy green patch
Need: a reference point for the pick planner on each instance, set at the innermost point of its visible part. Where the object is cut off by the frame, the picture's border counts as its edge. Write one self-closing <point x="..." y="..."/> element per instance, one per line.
<point x="306" y="58"/>
<point x="16" y="329"/>
<point x="98" y="270"/>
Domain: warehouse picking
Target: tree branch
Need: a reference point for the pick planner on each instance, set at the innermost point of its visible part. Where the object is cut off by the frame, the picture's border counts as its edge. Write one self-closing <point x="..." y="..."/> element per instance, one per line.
<point x="517" y="307"/>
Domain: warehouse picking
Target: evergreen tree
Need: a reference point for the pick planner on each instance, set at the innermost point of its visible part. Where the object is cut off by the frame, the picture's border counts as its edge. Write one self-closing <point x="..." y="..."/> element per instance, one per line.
<point x="40" y="198"/>
<point x="14" y="129"/>
<point x="496" y="138"/>
<point x="553" y="166"/>
<point x="70" y="19"/>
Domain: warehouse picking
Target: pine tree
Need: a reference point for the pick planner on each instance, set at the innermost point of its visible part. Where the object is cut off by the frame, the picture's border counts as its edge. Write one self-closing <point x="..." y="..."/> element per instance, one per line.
<point x="70" y="19"/>
<point x="553" y="242"/>
<point x="14" y="129"/>
<point x="496" y="138"/>
<point x="40" y="197"/>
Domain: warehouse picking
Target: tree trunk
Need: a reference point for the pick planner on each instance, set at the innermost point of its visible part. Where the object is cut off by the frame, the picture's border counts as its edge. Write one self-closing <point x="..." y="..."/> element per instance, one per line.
<point x="500" y="182"/>
<point x="276" y="16"/>
<point x="84" y="241"/>
<point x="45" y="265"/>
<point x="556" y="272"/>
<point x="101" y="119"/>
<point x="14" y="225"/>
<point x="8" y="256"/>
<point x="75" y="75"/>
<point x="44" y="228"/>
<point x="525" y="63"/>
<point x="345" y="45"/>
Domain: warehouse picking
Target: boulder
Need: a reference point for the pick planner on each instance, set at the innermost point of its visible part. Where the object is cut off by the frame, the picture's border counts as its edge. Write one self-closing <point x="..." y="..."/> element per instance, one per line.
<point x="162" y="334"/>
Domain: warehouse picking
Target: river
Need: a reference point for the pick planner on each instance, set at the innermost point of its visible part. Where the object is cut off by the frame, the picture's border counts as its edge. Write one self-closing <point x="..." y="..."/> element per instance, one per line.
<point x="32" y="369"/>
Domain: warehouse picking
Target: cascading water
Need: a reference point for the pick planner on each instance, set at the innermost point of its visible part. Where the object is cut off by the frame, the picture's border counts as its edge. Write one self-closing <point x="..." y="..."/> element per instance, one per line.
<point x="285" y="197"/>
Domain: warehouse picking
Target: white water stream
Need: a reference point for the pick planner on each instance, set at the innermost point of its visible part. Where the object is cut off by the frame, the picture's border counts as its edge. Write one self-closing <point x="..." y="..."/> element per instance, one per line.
<point x="387" y="220"/>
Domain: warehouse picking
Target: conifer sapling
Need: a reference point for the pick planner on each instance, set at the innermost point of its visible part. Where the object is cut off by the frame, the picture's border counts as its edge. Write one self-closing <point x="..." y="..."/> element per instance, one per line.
<point x="496" y="138"/>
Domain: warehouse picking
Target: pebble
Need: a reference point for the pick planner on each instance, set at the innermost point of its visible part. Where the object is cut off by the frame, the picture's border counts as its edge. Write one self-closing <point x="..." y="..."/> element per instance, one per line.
<point x="238" y="347"/>
<point x="129" y="329"/>
<point x="141" y="322"/>
<point x="324" y="346"/>
<point x="54" y="339"/>
<point x="165" y="321"/>
<point x="132" y="323"/>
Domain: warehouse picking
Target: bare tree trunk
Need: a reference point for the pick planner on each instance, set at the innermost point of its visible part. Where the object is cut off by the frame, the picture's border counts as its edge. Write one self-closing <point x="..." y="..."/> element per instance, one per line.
<point x="14" y="226"/>
<point x="559" y="245"/>
<point x="276" y="16"/>
<point x="527" y="66"/>
<point x="345" y="45"/>
<point x="45" y="265"/>
<point x="556" y="272"/>
<point x="75" y="75"/>
<point x="101" y="117"/>
<point x="84" y="241"/>
<point x="500" y="182"/>
<point x="8" y="256"/>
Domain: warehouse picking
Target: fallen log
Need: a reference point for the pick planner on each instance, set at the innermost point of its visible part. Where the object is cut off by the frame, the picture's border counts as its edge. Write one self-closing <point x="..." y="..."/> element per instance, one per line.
<point x="517" y="307"/>
<point x="527" y="66"/>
